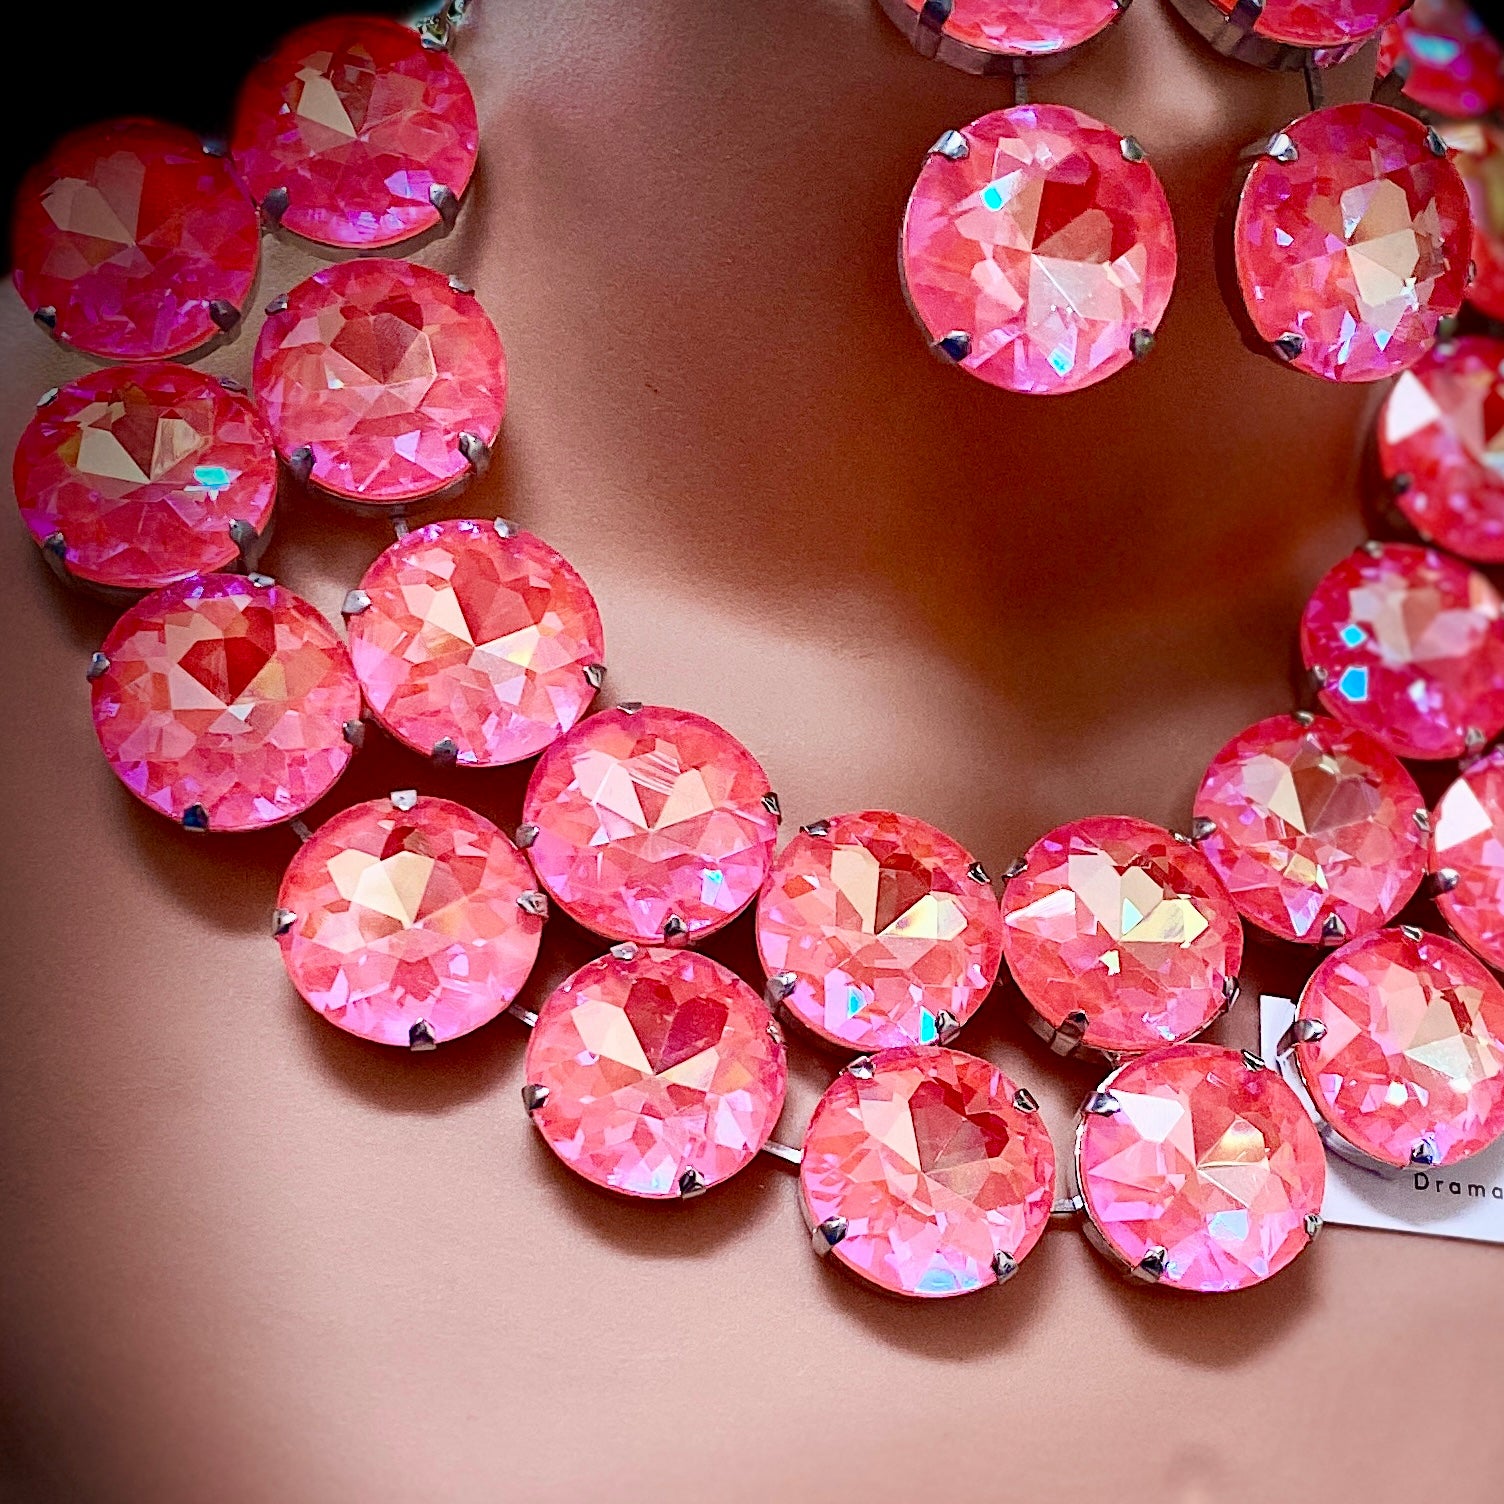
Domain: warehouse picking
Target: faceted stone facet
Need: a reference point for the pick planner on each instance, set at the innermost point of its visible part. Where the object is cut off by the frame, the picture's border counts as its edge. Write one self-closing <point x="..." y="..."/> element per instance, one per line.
<point x="1441" y="445"/>
<point x="656" y="1075"/>
<point x="133" y="236"/>
<point x="223" y="702"/>
<point x="943" y="1181"/>
<point x="142" y="470"/>
<point x="378" y="367"/>
<point x="1318" y="23"/>
<point x="1205" y="1157"/>
<point x="1046" y="249"/>
<point x="1408" y="646"/>
<point x="1467" y="856"/>
<point x="359" y="122"/>
<point x="1411" y="1063"/>
<point x="1354" y="250"/>
<point x="1478" y="154"/>
<point x="651" y="823"/>
<point x="476" y="636"/>
<point x="1316" y="830"/>
<point x="1118" y="921"/>
<point x="1447" y="58"/>
<point x="408" y="918"/>
<point x="880" y="930"/>
<point x="1024" y="28"/>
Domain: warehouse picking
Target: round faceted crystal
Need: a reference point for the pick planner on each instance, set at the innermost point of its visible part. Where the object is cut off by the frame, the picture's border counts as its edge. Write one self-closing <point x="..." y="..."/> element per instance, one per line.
<point x="1316" y="830"/>
<point x="1441" y="444"/>
<point x="142" y="470"/>
<point x="1448" y="60"/>
<point x="880" y="930"/>
<point x="1045" y="246"/>
<point x="1408" y="646"/>
<point x="130" y="233"/>
<point x="378" y="367"/>
<point x="1411" y="1063"/>
<point x="1207" y="1158"/>
<point x="359" y="122"/>
<point x="646" y="817"/>
<point x="933" y="1167"/>
<point x="1358" y="247"/>
<point x="477" y="636"/>
<point x="1467" y="855"/>
<point x="224" y="702"/>
<point x="405" y="925"/>
<point x="1024" y="28"/>
<point x="657" y="1074"/>
<point x="1318" y="23"/>
<point x="1478" y="154"/>
<point x="1118" y="921"/>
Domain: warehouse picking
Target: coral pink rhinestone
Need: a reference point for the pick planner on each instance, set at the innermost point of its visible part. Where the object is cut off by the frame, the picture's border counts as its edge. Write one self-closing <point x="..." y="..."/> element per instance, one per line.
<point x="1352" y="251"/>
<point x="1318" y="23"/>
<point x="1200" y="1169"/>
<point x="223" y="702"/>
<point x="474" y="634"/>
<point x="878" y="930"/>
<point x="131" y="242"/>
<point x="1467" y="857"/>
<point x="1316" y="831"/>
<point x="360" y="124"/>
<point x="135" y="475"/>
<point x="1407" y="1066"/>
<point x="1448" y="60"/>
<point x="403" y="925"/>
<point x="927" y="1172"/>
<point x="656" y="1073"/>
<point x="1478" y="154"/>
<point x="1407" y="645"/>
<point x="1017" y="28"/>
<point x="1120" y="935"/>
<point x="1441" y="446"/>
<point x="1038" y="249"/>
<point x="650" y="823"/>
<point x="379" y="368"/>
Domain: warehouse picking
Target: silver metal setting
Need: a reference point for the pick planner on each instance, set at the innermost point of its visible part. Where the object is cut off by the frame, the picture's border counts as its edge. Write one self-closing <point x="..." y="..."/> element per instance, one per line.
<point x="1444" y="879"/>
<point x="1140" y="343"/>
<point x="282" y="921"/>
<point x="1004" y="1266"/>
<point x="1131" y="150"/>
<point x="534" y="1096"/>
<point x="1333" y="929"/>
<point x="356" y="602"/>
<point x="354" y="732"/>
<point x="1014" y="868"/>
<point x="46" y="316"/>
<point x="225" y="315"/>
<point x="954" y="347"/>
<point x="1233" y="35"/>
<point x="1424" y="1152"/>
<point x="1254" y="1062"/>
<point x="947" y="1026"/>
<point x="1423" y="821"/>
<point x="447" y="202"/>
<point x="952" y="146"/>
<point x="1413" y="933"/>
<point x="55" y="552"/>
<point x="595" y="674"/>
<point x="1288" y="346"/>
<point x="1313" y="1224"/>
<point x="1024" y="1102"/>
<point x="420" y="1037"/>
<point x="825" y="1235"/>
<point x="504" y="529"/>
<point x="978" y="874"/>
<point x="626" y="951"/>
<point x="861" y="1068"/>
<point x="1101" y="1104"/>
<point x="1202" y="827"/>
<point x="444" y="752"/>
<point x="778" y="987"/>
<point x="300" y="463"/>
<point x="674" y="928"/>
<point x="534" y="902"/>
<point x="273" y="207"/>
<point x="771" y="804"/>
<point x="630" y="707"/>
<point x="525" y="836"/>
<point x="276" y="306"/>
<point x="48" y="397"/>
<point x="691" y="1184"/>
<point x="817" y="828"/>
<point x="476" y="451"/>
<point x="463" y="288"/>
<point x="403" y="799"/>
<point x="1153" y="1265"/>
<point x="196" y="818"/>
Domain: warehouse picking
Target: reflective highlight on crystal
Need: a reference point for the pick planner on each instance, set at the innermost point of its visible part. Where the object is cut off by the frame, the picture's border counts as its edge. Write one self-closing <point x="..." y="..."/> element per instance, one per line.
<point x="1205" y="1157"/>
<point x="935" y="1170"/>
<point x="1467" y="856"/>
<point x="1478" y="154"/>
<point x="1410" y="1065"/>
<point x="1449" y="61"/>
<point x="1045" y="246"/>
<point x="1024" y="28"/>
<point x="652" y="1068"/>
<point x="1315" y="828"/>
<point x="1318" y="23"/>
<point x="405" y="920"/>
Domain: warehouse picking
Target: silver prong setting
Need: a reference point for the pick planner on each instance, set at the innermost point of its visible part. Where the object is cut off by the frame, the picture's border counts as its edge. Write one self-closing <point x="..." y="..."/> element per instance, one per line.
<point x="1004" y="1266"/>
<point x="356" y="601"/>
<point x="446" y="201"/>
<point x="534" y="1096"/>
<point x="420" y="1038"/>
<point x="825" y="1235"/>
<point x="445" y="752"/>
<point x="403" y="799"/>
<point x="476" y="451"/>
<point x="952" y="146"/>
<point x="534" y="902"/>
<point x="1151" y="1267"/>
<point x="282" y="921"/>
<point x="525" y="836"/>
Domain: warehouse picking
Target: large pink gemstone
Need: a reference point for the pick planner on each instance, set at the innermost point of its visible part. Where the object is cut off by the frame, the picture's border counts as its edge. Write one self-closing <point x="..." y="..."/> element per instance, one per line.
<point x="379" y="368"/>
<point x="136" y="474"/>
<point x="656" y="1073"/>
<point x="879" y="930"/>
<point x="1352" y="252"/>
<point x="1448" y="60"/>
<point x="477" y="635"/>
<point x="223" y="703"/>
<point x="360" y="123"/>
<point x="1441" y="445"/>
<point x="1038" y="249"/>
<point x="1407" y="645"/>
<point x="1023" y="28"/>
<point x="1408" y="1063"/>
<point x="650" y="824"/>
<point x="403" y="925"/>
<point x="1121" y="934"/>
<point x="927" y="1172"/>
<point x="1467" y="856"/>
<point x="1318" y="23"/>
<point x="1478" y="154"/>
<point x="131" y="242"/>
<point x="1316" y="831"/>
<point x="1200" y="1169"/>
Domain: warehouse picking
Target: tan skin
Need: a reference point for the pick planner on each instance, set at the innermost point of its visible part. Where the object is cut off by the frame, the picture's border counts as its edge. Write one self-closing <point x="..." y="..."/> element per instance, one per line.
<point x="249" y="1258"/>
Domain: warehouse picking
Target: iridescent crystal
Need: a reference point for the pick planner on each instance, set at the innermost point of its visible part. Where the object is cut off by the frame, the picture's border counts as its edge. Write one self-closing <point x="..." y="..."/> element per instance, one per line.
<point x="1023" y="28"/>
<point x="1317" y="23"/>
<point x="1478" y="153"/>
<point x="1467" y="856"/>
<point x="1448" y="60"/>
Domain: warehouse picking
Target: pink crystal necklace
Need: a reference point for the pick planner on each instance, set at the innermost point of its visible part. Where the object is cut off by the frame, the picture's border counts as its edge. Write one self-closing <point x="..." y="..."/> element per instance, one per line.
<point x="226" y="703"/>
